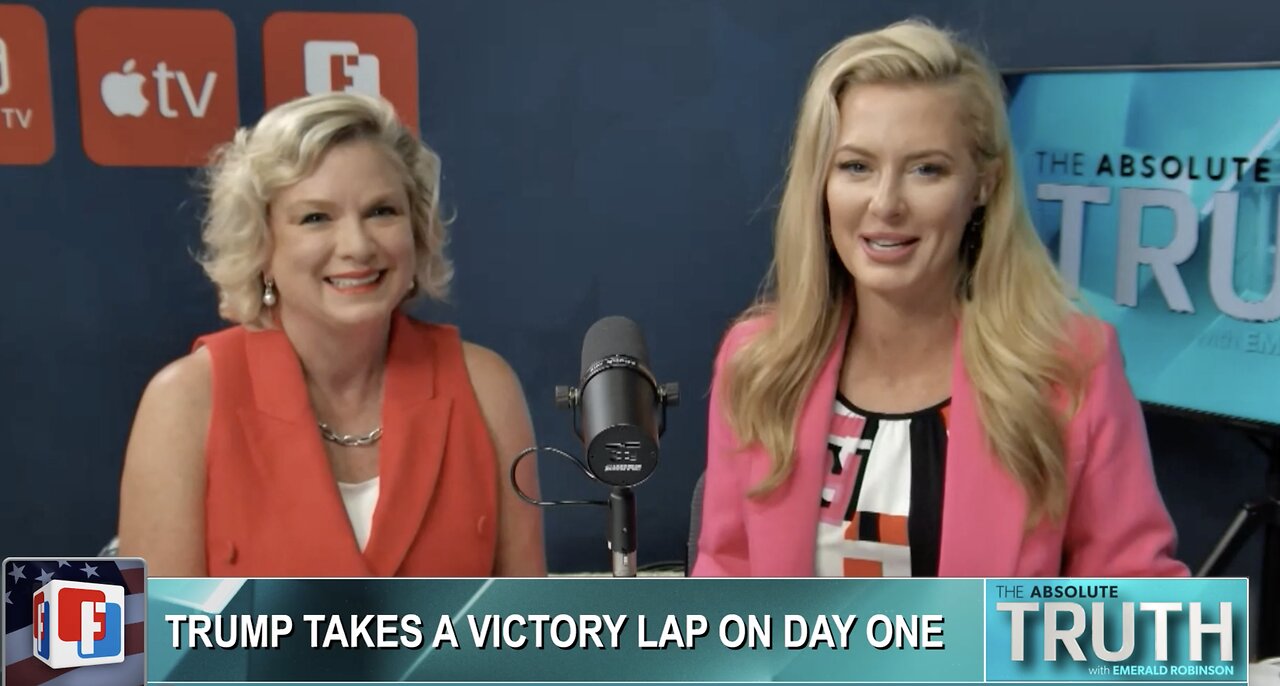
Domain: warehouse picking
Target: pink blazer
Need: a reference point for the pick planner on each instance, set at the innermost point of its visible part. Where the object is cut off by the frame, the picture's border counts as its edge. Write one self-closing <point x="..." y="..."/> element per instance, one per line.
<point x="1116" y="524"/>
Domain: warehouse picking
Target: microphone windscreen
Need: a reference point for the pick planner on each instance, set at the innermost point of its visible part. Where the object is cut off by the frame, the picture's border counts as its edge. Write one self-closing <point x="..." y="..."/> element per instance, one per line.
<point x="613" y="336"/>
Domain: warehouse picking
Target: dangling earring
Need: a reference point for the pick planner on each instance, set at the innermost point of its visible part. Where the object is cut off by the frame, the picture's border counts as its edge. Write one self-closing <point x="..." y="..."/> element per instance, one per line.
<point x="971" y="246"/>
<point x="269" y="293"/>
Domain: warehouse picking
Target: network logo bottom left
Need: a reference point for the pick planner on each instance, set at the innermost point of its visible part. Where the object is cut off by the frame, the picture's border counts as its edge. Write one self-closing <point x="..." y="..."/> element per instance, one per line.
<point x="74" y="615"/>
<point x="75" y="624"/>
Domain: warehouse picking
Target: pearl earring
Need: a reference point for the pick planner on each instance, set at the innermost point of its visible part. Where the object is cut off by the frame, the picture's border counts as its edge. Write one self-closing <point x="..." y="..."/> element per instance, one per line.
<point x="269" y="293"/>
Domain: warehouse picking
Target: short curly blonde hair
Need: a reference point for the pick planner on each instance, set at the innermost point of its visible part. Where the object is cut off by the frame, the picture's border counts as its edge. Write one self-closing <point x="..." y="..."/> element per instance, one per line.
<point x="283" y="148"/>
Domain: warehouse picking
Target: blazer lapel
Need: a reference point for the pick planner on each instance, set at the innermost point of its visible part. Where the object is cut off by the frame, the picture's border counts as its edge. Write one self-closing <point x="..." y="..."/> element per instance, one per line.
<point x="983" y="509"/>
<point x="289" y="458"/>
<point x="787" y="518"/>
<point x="415" y="430"/>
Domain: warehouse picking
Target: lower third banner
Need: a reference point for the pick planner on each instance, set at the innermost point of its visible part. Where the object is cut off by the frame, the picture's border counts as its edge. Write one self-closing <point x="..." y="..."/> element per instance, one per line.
<point x="698" y="630"/>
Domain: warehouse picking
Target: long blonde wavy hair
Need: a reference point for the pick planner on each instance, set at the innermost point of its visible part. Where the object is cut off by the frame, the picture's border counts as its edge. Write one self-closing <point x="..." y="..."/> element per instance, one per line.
<point x="1013" y="327"/>
<point x="283" y="148"/>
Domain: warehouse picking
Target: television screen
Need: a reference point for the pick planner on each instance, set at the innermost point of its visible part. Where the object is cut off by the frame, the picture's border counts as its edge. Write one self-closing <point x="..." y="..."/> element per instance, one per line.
<point x="1155" y="191"/>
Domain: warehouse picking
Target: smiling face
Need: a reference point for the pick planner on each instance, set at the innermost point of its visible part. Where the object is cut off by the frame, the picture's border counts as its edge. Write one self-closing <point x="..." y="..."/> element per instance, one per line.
<point x="342" y="239"/>
<point x="902" y="185"/>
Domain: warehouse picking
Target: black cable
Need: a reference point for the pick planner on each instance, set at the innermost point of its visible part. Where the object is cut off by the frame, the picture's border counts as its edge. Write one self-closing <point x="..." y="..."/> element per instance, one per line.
<point x="548" y="503"/>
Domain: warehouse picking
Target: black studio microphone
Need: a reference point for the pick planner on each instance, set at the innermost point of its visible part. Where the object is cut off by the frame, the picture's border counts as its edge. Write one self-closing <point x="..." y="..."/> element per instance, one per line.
<point x="623" y="414"/>
<point x="618" y="398"/>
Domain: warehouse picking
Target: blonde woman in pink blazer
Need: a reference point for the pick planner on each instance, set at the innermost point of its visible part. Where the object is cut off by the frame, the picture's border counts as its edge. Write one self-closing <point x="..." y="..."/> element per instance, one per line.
<point x="915" y="395"/>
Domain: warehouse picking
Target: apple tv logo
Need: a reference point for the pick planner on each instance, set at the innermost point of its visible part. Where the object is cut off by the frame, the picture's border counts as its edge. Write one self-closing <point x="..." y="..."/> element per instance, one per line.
<point x="157" y="86"/>
<point x="122" y="92"/>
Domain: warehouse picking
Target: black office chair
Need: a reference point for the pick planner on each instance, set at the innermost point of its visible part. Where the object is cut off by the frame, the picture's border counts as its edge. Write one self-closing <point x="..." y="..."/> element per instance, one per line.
<point x="695" y="524"/>
<point x="111" y="549"/>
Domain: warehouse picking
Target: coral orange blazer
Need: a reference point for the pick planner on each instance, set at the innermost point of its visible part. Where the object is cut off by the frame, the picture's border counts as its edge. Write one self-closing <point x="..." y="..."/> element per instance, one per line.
<point x="272" y="504"/>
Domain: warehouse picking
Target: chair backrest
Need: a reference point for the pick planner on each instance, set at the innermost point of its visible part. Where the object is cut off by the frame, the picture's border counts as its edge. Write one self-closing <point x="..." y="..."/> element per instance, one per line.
<point x="111" y="549"/>
<point x="695" y="524"/>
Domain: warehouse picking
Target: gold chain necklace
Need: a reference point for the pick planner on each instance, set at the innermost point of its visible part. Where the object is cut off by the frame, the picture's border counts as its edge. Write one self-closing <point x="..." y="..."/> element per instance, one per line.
<point x="349" y="440"/>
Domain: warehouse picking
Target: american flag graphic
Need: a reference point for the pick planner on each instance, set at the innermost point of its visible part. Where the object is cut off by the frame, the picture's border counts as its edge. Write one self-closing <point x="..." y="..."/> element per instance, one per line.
<point x="23" y="577"/>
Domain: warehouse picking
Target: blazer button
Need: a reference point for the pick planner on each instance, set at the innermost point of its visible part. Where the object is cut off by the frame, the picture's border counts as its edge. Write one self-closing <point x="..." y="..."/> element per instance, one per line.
<point x="480" y="528"/>
<point x="231" y="552"/>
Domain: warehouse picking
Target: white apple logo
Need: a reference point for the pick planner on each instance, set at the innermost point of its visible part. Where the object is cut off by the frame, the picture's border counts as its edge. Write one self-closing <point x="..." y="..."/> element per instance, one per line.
<point x="122" y="92"/>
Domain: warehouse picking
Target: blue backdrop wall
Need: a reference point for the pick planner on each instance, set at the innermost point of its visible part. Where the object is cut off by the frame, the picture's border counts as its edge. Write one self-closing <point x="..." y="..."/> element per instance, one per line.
<point x="601" y="158"/>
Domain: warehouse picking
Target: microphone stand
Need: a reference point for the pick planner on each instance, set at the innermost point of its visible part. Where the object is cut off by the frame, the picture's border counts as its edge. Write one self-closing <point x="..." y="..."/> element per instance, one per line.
<point x="622" y="531"/>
